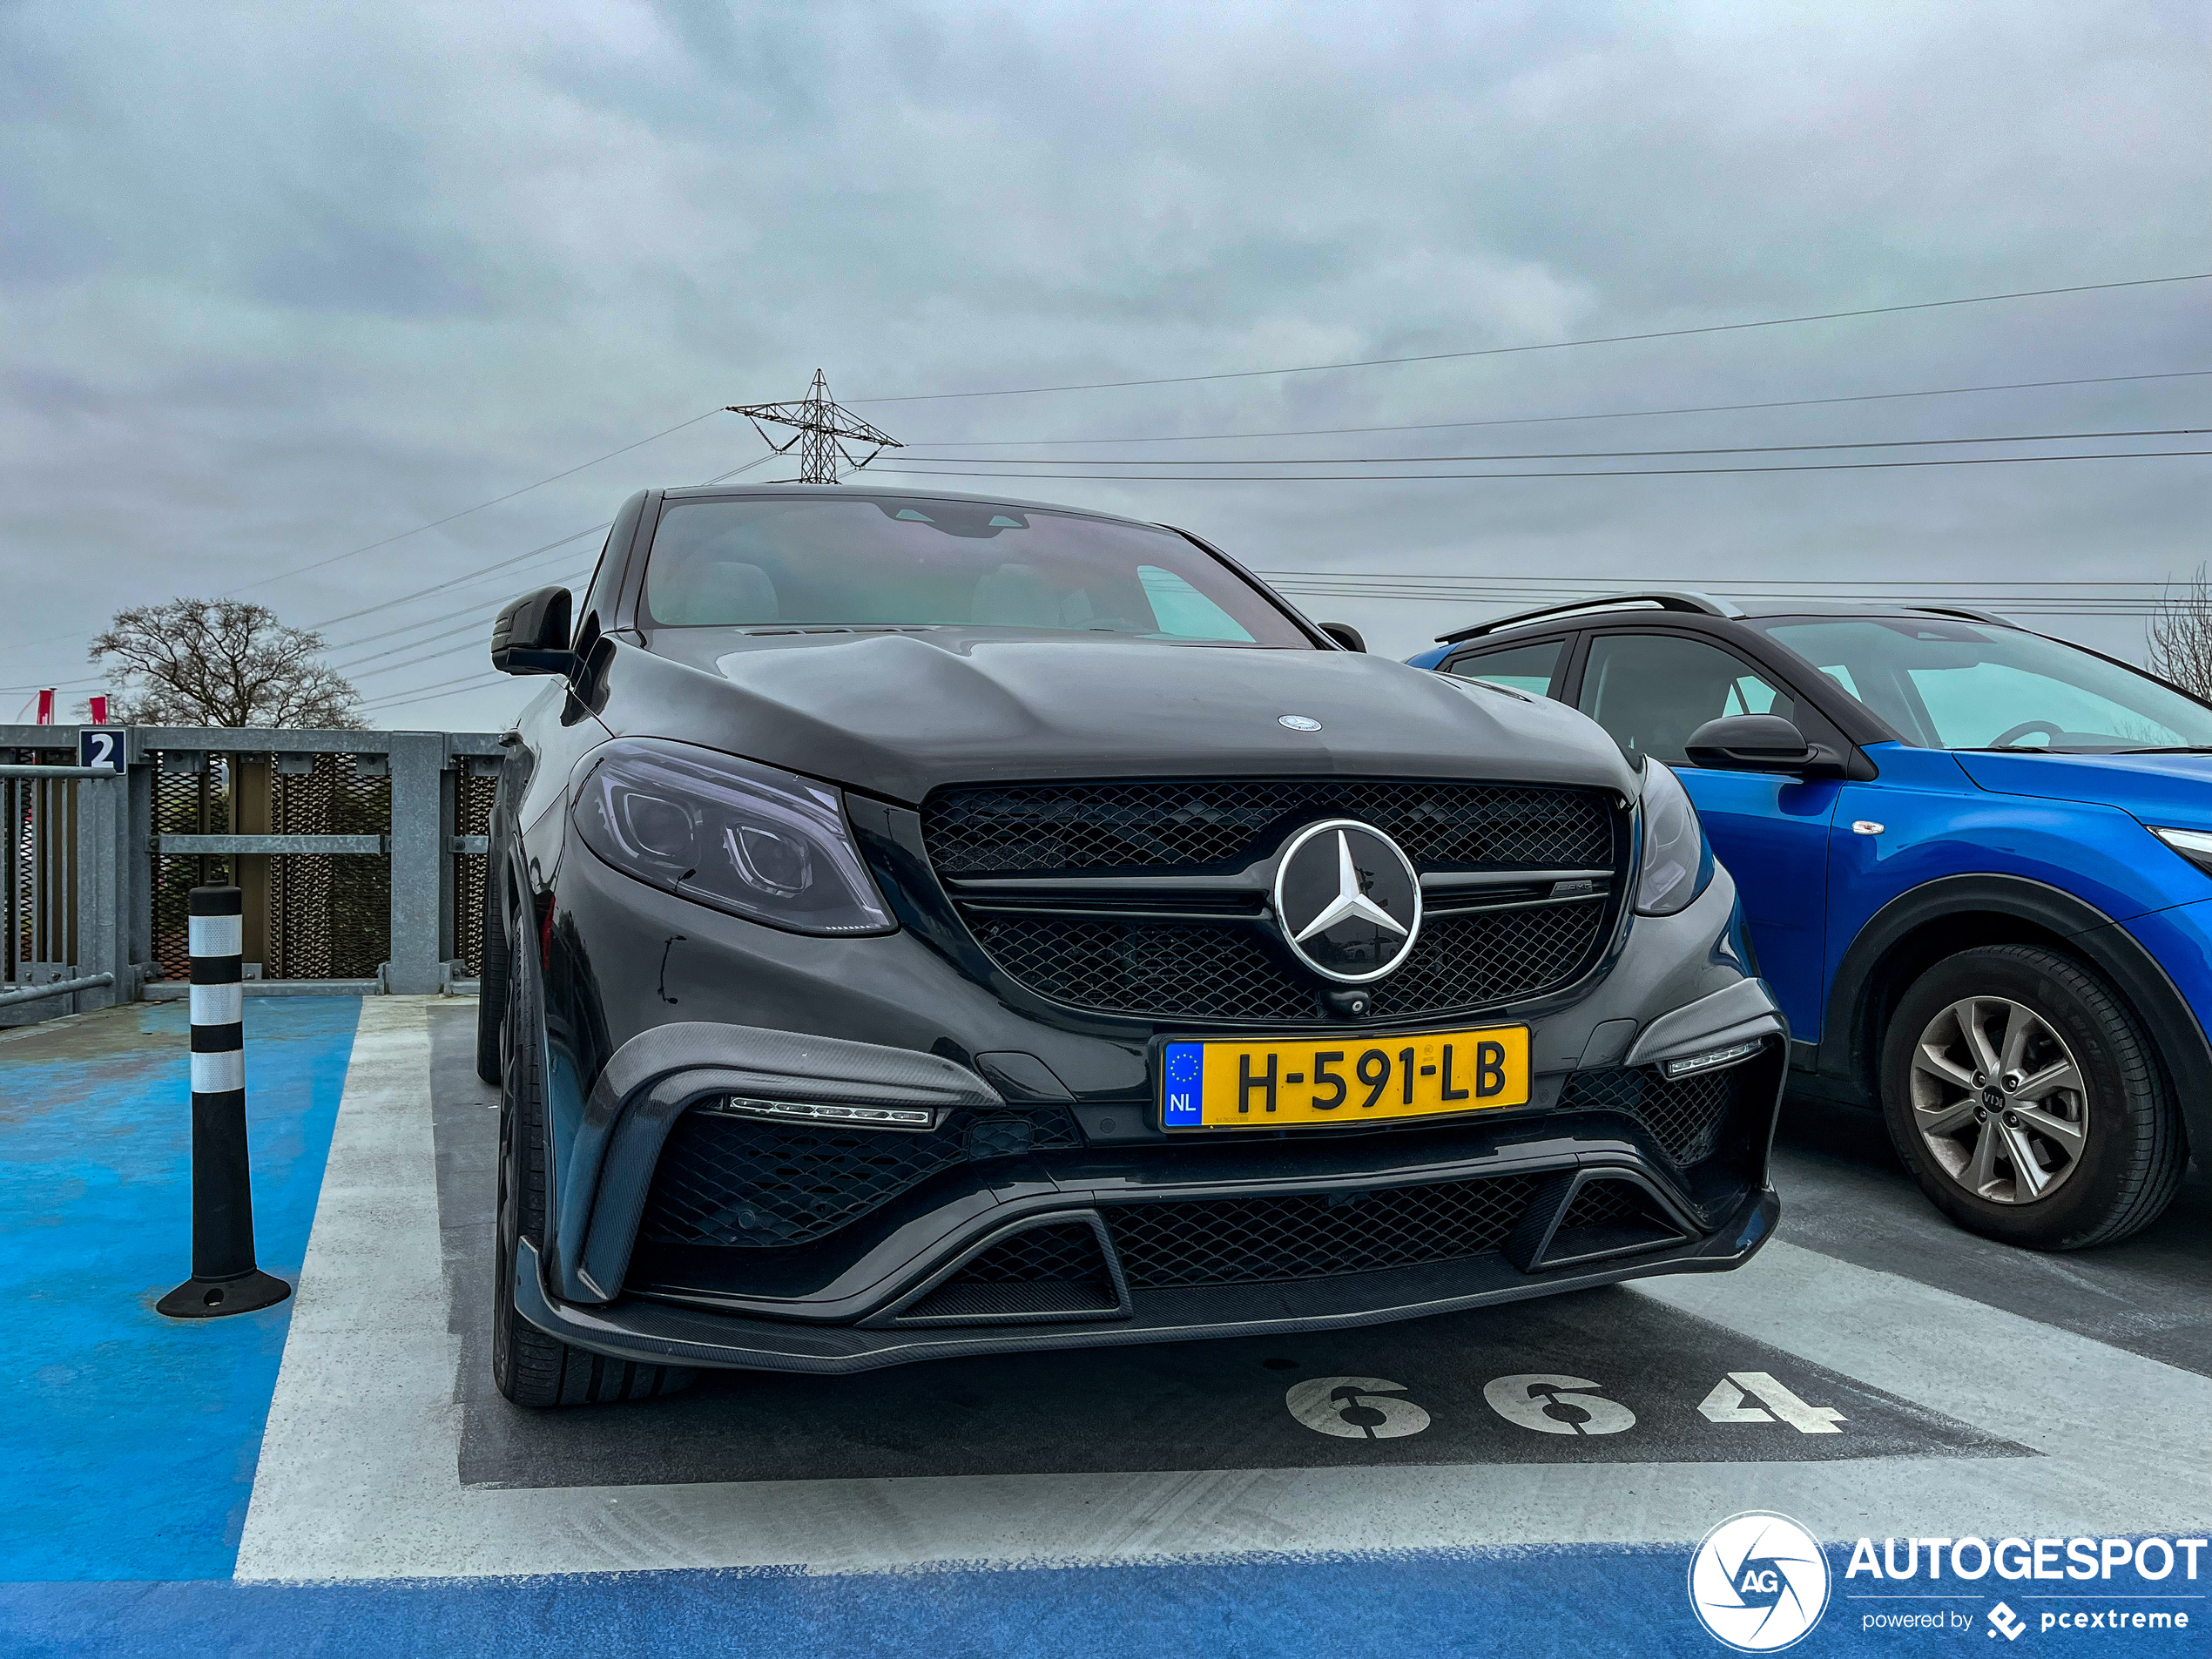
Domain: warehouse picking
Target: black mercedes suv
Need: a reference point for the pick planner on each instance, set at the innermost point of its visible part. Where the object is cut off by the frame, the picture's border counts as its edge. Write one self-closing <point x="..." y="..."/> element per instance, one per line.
<point x="920" y="924"/>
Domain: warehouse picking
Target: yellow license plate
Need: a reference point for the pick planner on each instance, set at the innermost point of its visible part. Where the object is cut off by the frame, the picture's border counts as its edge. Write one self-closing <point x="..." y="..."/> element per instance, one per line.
<point x="1341" y="1080"/>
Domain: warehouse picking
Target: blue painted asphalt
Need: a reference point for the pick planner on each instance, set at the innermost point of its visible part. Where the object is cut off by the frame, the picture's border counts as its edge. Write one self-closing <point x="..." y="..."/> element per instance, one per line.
<point x="128" y="1441"/>
<point x="1523" y="1604"/>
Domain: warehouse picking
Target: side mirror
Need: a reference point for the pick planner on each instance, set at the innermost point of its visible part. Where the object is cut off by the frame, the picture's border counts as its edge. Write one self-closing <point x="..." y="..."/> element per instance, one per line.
<point x="1345" y="634"/>
<point x="1759" y="743"/>
<point x="531" y="636"/>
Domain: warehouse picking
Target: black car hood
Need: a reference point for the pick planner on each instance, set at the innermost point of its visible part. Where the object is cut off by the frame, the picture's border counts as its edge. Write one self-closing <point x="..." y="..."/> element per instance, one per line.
<point x="899" y="714"/>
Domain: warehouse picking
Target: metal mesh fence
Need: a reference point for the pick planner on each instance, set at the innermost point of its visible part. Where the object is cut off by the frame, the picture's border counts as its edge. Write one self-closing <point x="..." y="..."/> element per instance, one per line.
<point x="329" y="915"/>
<point x="472" y="800"/>
<point x="185" y="803"/>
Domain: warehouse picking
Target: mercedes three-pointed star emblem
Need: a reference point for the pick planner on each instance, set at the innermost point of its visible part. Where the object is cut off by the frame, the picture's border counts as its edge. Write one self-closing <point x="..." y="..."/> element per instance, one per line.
<point x="1348" y="900"/>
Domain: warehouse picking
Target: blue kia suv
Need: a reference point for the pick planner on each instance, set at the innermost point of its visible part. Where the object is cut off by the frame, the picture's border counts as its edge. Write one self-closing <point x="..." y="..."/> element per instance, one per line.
<point x="1975" y="863"/>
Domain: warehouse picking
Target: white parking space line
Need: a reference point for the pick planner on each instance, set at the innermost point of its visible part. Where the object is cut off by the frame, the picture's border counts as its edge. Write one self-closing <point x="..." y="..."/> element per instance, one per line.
<point x="358" y="1474"/>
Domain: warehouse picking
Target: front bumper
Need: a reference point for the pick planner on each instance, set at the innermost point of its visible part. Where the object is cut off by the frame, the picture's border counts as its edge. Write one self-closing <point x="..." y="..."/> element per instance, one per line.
<point x="665" y="1334"/>
<point x="743" y="1283"/>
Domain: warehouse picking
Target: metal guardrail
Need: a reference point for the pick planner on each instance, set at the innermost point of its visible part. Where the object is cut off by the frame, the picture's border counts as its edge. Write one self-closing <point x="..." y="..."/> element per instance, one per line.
<point x="274" y="845"/>
<point x="361" y="854"/>
<point x="58" y="988"/>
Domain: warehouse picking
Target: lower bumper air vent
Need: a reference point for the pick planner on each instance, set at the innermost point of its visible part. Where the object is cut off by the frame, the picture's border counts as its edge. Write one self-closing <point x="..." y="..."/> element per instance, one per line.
<point x="1054" y="1270"/>
<point x="1685" y="1116"/>
<point x="1606" y="1218"/>
<point x="1257" y="1241"/>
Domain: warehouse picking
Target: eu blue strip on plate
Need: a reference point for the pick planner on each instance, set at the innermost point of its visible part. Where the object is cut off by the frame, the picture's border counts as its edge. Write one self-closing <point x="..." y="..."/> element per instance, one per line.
<point x="1182" y="1085"/>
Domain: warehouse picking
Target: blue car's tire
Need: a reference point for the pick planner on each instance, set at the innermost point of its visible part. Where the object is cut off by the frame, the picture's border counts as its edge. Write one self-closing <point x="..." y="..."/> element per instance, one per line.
<point x="2027" y="1102"/>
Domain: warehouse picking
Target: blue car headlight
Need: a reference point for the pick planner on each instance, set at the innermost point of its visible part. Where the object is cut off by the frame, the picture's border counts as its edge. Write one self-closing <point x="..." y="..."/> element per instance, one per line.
<point x="1677" y="860"/>
<point x="2194" y="845"/>
<point x="762" y="844"/>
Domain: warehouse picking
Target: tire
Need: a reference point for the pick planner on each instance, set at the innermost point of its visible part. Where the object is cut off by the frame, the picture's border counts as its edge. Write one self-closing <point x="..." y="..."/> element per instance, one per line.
<point x="491" y="977"/>
<point x="530" y="1367"/>
<point x="2077" y="1143"/>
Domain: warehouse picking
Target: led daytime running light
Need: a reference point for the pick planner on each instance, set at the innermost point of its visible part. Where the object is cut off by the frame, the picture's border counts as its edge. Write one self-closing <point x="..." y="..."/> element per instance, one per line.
<point x="1711" y="1060"/>
<point x="882" y="1116"/>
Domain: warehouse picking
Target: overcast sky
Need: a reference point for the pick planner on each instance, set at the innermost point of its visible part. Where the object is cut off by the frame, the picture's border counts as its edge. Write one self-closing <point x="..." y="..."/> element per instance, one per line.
<point x="278" y="282"/>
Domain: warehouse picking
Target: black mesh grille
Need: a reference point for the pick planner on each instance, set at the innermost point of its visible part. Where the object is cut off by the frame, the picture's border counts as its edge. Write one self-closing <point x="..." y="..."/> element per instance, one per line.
<point x="1220" y="970"/>
<point x="1067" y="1251"/>
<point x="1245" y="1241"/>
<point x="751" y="1183"/>
<point x="1002" y="829"/>
<point x="1603" y="1202"/>
<point x="1684" y="1116"/>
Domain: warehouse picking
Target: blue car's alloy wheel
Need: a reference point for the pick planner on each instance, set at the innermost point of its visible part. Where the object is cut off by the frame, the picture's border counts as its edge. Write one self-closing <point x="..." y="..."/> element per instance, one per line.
<point x="1998" y="1102"/>
<point x="2027" y="1103"/>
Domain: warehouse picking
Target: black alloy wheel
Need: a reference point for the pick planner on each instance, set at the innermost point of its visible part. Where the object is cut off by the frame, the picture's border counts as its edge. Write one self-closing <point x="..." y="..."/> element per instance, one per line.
<point x="2027" y="1101"/>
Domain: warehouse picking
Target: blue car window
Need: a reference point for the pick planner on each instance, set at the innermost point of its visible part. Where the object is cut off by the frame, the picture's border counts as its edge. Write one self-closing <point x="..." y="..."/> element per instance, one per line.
<point x="1955" y="685"/>
<point x="1652" y="690"/>
<point x="1524" y="668"/>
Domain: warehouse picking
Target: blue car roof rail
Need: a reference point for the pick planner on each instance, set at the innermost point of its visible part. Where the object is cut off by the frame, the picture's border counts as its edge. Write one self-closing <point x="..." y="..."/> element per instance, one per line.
<point x="1663" y="598"/>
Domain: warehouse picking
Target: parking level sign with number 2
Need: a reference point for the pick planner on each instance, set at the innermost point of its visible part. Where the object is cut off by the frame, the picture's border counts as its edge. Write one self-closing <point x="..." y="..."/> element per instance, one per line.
<point x="100" y="746"/>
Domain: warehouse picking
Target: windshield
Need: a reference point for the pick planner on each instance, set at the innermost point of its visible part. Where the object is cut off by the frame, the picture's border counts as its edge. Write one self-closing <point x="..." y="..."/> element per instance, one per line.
<point x="1954" y="685"/>
<point x="867" y="561"/>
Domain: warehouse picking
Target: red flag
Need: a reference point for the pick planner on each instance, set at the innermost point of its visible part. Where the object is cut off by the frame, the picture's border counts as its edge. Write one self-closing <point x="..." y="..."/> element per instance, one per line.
<point x="98" y="703"/>
<point x="46" y="706"/>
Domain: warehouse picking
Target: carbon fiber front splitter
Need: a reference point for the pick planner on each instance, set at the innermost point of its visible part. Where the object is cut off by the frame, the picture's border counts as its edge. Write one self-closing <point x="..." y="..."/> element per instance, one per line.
<point x="664" y="1333"/>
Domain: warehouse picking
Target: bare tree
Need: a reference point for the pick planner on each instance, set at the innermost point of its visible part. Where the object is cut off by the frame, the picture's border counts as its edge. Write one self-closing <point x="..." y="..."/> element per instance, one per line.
<point x="2181" y="636"/>
<point x="223" y="662"/>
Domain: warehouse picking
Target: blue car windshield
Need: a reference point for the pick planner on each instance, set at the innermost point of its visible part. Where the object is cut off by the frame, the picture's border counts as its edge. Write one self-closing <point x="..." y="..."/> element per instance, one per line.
<point x="1954" y="685"/>
<point x="905" y="561"/>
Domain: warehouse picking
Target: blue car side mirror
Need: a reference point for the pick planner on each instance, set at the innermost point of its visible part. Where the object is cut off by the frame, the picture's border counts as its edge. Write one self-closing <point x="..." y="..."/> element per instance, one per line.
<point x="1760" y="743"/>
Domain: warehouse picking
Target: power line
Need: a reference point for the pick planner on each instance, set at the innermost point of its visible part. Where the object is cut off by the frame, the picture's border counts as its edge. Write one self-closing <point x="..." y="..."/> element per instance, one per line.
<point x="1581" y="454"/>
<point x="2118" y="611"/>
<point x="1708" y="583"/>
<point x="454" y="582"/>
<point x="420" y="693"/>
<point x="1551" y="345"/>
<point x="433" y="523"/>
<point x="372" y="546"/>
<point x="467" y="627"/>
<point x="501" y="564"/>
<point x="1643" y="472"/>
<point x="1508" y="594"/>
<point x="1545" y="420"/>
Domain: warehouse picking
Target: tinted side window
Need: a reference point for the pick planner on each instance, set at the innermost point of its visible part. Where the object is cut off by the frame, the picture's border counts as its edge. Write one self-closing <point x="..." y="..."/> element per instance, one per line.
<point x="1652" y="690"/>
<point x="1525" y="668"/>
<point x="598" y="598"/>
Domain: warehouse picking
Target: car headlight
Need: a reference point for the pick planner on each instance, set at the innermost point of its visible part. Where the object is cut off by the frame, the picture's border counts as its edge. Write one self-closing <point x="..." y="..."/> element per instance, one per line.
<point x="745" y="838"/>
<point x="2193" y="845"/>
<point x="1677" y="863"/>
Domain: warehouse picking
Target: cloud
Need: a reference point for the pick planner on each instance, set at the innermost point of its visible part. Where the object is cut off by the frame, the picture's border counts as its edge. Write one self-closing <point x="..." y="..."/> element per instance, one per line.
<point x="278" y="283"/>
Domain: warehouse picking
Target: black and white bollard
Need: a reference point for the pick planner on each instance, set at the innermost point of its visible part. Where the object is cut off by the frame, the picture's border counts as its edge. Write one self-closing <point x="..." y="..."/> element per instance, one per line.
<point x="224" y="1278"/>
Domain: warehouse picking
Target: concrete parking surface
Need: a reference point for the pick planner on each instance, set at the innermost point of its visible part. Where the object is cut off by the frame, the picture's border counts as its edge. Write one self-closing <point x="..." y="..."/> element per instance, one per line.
<point x="1874" y="1371"/>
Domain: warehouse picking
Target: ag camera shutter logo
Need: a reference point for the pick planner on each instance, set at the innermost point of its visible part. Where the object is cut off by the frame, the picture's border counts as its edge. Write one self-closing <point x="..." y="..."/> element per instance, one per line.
<point x="1759" y="1582"/>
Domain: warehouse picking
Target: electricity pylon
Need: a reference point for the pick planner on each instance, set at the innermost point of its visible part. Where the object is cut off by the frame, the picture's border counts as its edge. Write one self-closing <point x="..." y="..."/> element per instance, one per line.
<point x="824" y="430"/>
